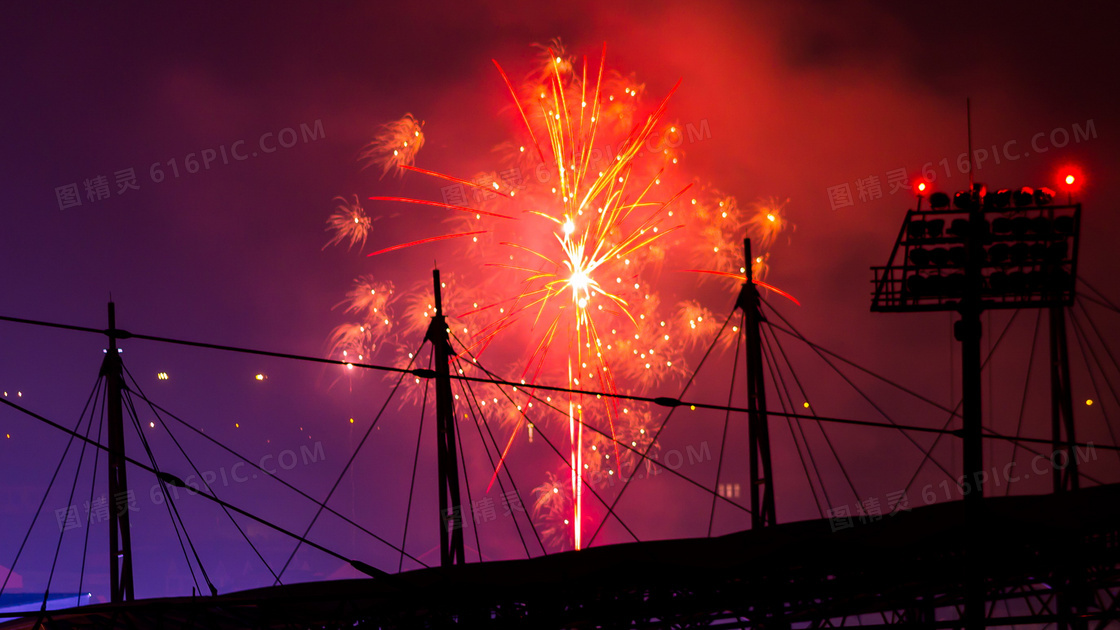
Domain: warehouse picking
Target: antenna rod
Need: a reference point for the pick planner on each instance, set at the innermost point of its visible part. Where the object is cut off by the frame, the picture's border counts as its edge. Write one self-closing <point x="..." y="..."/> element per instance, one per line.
<point x="968" y="123"/>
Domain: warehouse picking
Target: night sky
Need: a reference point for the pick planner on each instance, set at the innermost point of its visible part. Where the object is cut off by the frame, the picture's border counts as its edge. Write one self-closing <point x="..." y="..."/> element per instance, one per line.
<point x="799" y="99"/>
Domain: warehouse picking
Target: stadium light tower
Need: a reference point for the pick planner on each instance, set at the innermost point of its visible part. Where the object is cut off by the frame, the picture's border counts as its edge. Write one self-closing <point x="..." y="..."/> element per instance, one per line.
<point x="1008" y="249"/>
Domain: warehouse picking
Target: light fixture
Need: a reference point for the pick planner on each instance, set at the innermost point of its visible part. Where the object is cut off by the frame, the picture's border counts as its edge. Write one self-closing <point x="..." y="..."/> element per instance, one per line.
<point x="936" y="227"/>
<point x="1070" y="179"/>
<point x="1043" y="196"/>
<point x="998" y="199"/>
<point x="938" y="201"/>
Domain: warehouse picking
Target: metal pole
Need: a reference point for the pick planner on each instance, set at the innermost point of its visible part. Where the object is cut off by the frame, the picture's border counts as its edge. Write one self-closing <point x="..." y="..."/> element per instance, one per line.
<point x="120" y="539"/>
<point x="763" y="513"/>
<point x="451" y="550"/>
<point x="968" y="331"/>
<point x="1072" y="596"/>
<point x="1061" y="402"/>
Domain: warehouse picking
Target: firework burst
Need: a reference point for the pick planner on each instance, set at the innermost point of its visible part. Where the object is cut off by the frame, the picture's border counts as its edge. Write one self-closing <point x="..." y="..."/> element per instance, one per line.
<point x="395" y="145"/>
<point x="552" y="506"/>
<point x="348" y="222"/>
<point x="768" y="220"/>
<point x="575" y="226"/>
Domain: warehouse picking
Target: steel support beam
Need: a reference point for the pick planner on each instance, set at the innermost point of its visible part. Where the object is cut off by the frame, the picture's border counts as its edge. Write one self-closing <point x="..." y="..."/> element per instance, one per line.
<point x="451" y="546"/>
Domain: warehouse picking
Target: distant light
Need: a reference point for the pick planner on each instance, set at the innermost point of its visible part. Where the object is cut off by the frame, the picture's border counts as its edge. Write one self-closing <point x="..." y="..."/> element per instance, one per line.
<point x="1070" y="179"/>
<point x="162" y="376"/>
<point x="351" y="421"/>
<point x="152" y="424"/>
<point x="260" y="377"/>
<point x="1089" y="402"/>
<point x="921" y="186"/>
<point x="806" y="405"/>
<point x="236" y="425"/>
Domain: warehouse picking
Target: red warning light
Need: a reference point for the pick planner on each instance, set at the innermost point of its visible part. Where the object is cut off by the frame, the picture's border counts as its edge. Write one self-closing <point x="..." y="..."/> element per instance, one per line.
<point x="1071" y="178"/>
<point x="921" y="186"/>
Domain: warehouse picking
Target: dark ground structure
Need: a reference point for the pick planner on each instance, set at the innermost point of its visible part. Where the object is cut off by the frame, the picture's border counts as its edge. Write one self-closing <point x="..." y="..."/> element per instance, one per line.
<point x="1047" y="561"/>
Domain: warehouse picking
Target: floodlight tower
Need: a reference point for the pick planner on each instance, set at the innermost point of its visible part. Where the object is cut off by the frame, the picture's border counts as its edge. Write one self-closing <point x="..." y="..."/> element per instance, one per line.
<point x="1008" y="249"/>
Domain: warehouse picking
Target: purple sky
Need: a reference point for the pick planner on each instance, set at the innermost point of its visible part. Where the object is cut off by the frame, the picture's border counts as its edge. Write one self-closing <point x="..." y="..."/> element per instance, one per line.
<point x="799" y="100"/>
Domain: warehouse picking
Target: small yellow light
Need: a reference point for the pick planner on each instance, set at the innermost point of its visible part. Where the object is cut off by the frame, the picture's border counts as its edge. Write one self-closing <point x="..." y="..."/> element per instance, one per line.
<point x="1089" y="402"/>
